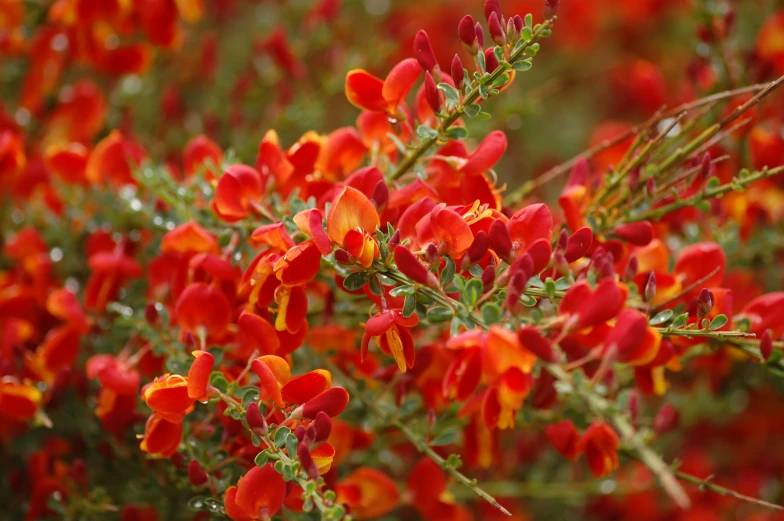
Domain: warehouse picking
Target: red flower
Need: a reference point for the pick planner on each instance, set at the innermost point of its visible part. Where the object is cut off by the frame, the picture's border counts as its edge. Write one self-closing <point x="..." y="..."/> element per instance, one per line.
<point x="600" y="444"/>
<point x="259" y="494"/>
<point x="390" y="329"/>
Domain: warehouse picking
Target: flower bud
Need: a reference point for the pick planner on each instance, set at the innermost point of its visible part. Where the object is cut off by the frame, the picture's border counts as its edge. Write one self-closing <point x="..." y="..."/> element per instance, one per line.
<point x="631" y="269"/>
<point x="766" y="345"/>
<point x="565" y="438"/>
<point x="493" y="7"/>
<point x="480" y="35"/>
<point x="256" y="422"/>
<point x="705" y="302"/>
<point x="491" y="62"/>
<point x="578" y="244"/>
<point x="560" y="263"/>
<point x="649" y="288"/>
<point x="488" y="277"/>
<point x="343" y="257"/>
<point x="410" y="266"/>
<point x="431" y="95"/>
<point x="518" y="23"/>
<point x="500" y="242"/>
<point x="423" y="52"/>
<point x="466" y="31"/>
<point x="638" y="233"/>
<point x="456" y="71"/>
<point x="394" y="240"/>
<point x="532" y="340"/>
<point x="634" y="405"/>
<point x="150" y="313"/>
<point x="476" y="251"/>
<point x="380" y="194"/>
<point x="706" y="167"/>
<point x="634" y="179"/>
<point x="496" y="29"/>
<point x="563" y="240"/>
<point x="306" y="461"/>
<point x="650" y="186"/>
<point x="431" y="419"/>
<point x="299" y="432"/>
<point x="323" y="425"/>
<point x="666" y="419"/>
<point x="550" y="8"/>
<point x="196" y="474"/>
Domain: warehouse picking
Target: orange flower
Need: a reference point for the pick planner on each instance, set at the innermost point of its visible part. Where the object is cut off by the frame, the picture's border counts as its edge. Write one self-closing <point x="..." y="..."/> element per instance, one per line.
<point x="172" y="396"/>
<point x="259" y="494"/>
<point x="600" y="444"/>
<point x="19" y="402"/>
<point x="351" y="221"/>
<point x="368" y="92"/>
<point x="238" y="192"/>
<point x="565" y="438"/>
<point x="390" y="329"/>
<point x="161" y="437"/>
<point x="368" y="492"/>
<point x="113" y="160"/>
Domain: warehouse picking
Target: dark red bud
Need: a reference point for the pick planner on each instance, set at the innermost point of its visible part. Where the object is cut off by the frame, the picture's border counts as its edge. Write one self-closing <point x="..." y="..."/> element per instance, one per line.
<point x="631" y="269"/>
<point x="394" y="240"/>
<point x="634" y="405"/>
<point x="256" y="422"/>
<point x="150" y="313"/>
<point x="706" y="167"/>
<point x="456" y="71"/>
<point x="410" y="266"/>
<point x="431" y="95"/>
<point x="550" y="8"/>
<point x="518" y="23"/>
<point x="766" y="345"/>
<point x="466" y="31"/>
<point x="323" y="425"/>
<point x="540" y="252"/>
<point x="423" y="52"/>
<point x="480" y="35"/>
<point x="491" y="62"/>
<point x="380" y="194"/>
<point x="705" y="302"/>
<point x="476" y="251"/>
<point x="496" y="29"/>
<point x="299" y="432"/>
<point x="488" y="277"/>
<point x="650" y="187"/>
<point x="306" y="461"/>
<point x="666" y="419"/>
<point x="638" y="233"/>
<point x="492" y="7"/>
<point x="579" y="174"/>
<point x="649" y="288"/>
<point x="634" y="179"/>
<point x="563" y="240"/>
<point x="500" y="242"/>
<point x="431" y="419"/>
<point x="196" y="474"/>
<point x="343" y="257"/>
<point x="533" y="341"/>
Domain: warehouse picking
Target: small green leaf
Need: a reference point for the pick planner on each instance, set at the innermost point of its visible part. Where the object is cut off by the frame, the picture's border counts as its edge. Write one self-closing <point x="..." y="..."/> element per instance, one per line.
<point x="522" y="65"/>
<point x="218" y="381"/>
<point x="712" y="183"/>
<point x="457" y="133"/>
<point x="718" y="322"/>
<point x="491" y="313"/>
<point x="281" y="435"/>
<point x="661" y="318"/>
<point x="484" y="115"/>
<point x="402" y="291"/>
<point x="439" y="314"/>
<point x="480" y="57"/>
<point x="680" y="321"/>
<point x="472" y="110"/>
<point x="261" y="458"/>
<point x="425" y="132"/>
<point x="473" y="291"/>
<point x="527" y="34"/>
<point x="448" y="273"/>
<point x="528" y="21"/>
<point x="499" y="53"/>
<point x="409" y="305"/>
<point x="451" y="94"/>
<point x="291" y="445"/>
<point x="445" y="438"/>
<point x="528" y="300"/>
<point x="356" y="281"/>
<point x="501" y="80"/>
<point x="375" y="286"/>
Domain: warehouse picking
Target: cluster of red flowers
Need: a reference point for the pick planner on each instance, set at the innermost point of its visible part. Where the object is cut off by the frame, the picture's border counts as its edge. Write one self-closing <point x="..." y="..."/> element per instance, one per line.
<point x="342" y="325"/>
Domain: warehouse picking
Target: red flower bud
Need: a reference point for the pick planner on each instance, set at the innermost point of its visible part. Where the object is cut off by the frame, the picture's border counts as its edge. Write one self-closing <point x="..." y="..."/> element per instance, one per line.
<point x="496" y="29"/>
<point x="578" y="244"/>
<point x="423" y="52"/>
<point x="705" y="302"/>
<point x="150" y="313"/>
<point x="766" y="345"/>
<point x="466" y="31"/>
<point x="488" y="277"/>
<point x="637" y="233"/>
<point x="650" y="187"/>
<point x="477" y="250"/>
<point x="431" y="94"/>
<point x="491" y="62"/>
<point x="563" y="240"/>
<point x="493" y="7"/>
<point x="410" y="266"/>
<point x="518" y="23"/>
<point x="631" y="269"/>
<point x="532" y="340"/>
<point x="380" y="194"/>
<point x="540" y="253"/>
<point x="332" y="402"/>
<point x="256" y="422"/>
<point x="550" y="8"/>
<point x="323" y="425"/>
<point x="196" y="474"/>
<point x="649" y="290"/>
<point x="480" y="35"/>
<point x="394" y="240"/>
<point x="500" y="242"/>
<point x="457" y="72"/>
<point x="343" y="257"/>
<point x="306" y="461"/>
<point x="666" y="419"/>
<point x="634" y="404"/>
<point x="706" y="167"/>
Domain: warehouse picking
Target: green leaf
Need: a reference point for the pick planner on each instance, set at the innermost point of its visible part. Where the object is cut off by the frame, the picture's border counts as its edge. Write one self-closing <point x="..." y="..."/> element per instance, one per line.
<point x="448" y="273"/>
<point x="718" y="322"/>
<point x="712" y="183"/>
<point x="527" y="34"/>
<point x="280" y="436"/>
<point x="375" y="286"/>
<point x="661" y="318"/>
<point x="439" y="314"/>
<point x="445" y="438"/>
<point x="472" y="110"/>
<point x="491" y="313"/>
<point x="480" y="57"/>
<point x="402" y="290"/>
<point x="261" y="458"/>
<point x="499" y="53"/>
<point x="528" y="300"/>
<point x="501" y="80"/>
<point x="528" y="21"/>
<point x="451" y="94"/>
<point x="218" y="381"/>
<point x="473" y="291"/>
<point x="356" y="281"/>
<point x="522" y="65"/>
<point x="680" y="321"/>
<point x="484" y="115"/>
<point x="457" y="133"/>
<point x="251" y="395"/>
<point x="291" y="445"/>
<point x="425" y="132"/>
<point x="409" y="305"/>
<point x="518" y="46"/>
<point x="549" y="287"/>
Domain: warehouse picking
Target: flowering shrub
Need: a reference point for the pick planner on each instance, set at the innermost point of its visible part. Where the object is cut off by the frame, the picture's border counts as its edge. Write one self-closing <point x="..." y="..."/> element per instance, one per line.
<point x="404" y="310"/>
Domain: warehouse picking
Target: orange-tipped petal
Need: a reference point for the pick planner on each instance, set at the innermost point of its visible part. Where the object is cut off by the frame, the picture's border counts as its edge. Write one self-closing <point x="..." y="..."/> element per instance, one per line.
<point x="399" y="82"/>
<point x="351" y="210"/>
<point x="364" y="91"/>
